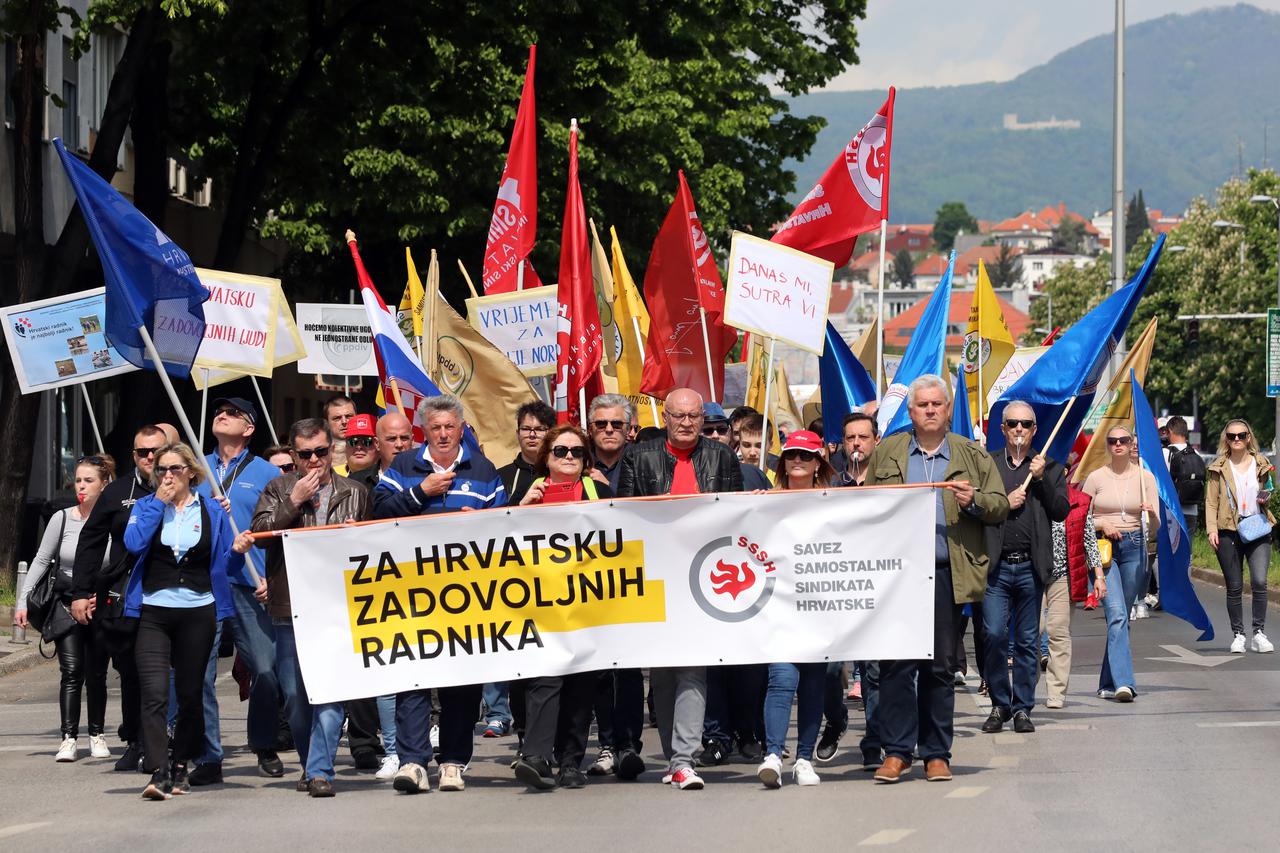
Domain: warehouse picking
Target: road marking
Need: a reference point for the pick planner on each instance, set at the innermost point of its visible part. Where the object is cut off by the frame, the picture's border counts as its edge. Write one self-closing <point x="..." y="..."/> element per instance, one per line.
<point x="1251" y="725"/>
<point x="1004" y="761"/>
<point x="885" y="836"/>
<point x="1185" y="655"/>
<point x="967" y="793"/>
<point x="19" y="828"/>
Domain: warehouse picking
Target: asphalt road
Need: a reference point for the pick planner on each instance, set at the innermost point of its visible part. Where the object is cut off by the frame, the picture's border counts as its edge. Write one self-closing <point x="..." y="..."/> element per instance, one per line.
<point x="1189" y="765"/>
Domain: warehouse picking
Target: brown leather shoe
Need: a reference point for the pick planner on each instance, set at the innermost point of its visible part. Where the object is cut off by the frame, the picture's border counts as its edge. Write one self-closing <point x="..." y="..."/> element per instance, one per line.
<point x="892" y="770"/>
<point x="937" y="770"/>
<point x="321" y="788"/>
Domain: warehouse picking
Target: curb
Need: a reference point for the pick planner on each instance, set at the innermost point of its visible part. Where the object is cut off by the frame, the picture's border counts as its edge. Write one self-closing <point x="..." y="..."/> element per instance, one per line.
<point x="20" y="657"/>
<point x="1216" y="578"/>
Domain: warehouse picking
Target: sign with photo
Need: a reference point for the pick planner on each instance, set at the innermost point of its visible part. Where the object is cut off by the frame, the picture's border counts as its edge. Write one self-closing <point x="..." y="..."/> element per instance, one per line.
<point x="60" y="341"/>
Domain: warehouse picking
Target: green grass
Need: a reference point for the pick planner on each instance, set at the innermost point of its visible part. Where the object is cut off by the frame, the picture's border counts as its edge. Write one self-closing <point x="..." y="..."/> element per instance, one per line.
<point x="7" y="595"/>
<point x="1203" y="555"/>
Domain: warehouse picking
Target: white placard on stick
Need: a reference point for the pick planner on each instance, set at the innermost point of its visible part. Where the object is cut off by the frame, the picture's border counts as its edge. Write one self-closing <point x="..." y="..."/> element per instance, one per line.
<point x="61" y="341"/>
<point x="522" y="325"/>
<point x="239" y="323"/>
<point x="778" y="292"/>
<point x="336" y="338"/>
<point x="288" y="346"/>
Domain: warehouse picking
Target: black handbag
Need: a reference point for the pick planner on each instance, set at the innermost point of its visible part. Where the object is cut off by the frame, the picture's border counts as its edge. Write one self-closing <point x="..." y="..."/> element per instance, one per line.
<point x="45" y="610"/>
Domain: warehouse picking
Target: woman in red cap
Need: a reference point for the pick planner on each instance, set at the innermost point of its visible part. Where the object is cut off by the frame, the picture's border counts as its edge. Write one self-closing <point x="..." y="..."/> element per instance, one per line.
<point x="801" y="466"/>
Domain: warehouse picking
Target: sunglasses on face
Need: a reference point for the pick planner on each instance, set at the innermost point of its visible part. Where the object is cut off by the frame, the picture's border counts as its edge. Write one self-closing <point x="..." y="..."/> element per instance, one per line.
<point x="560" y="451"/>
<point x="716" y="429"/>
<point x="319" y="453"/>
<point x="231" y="412"/>
<point x="1237" y="436"/>
<point x="1025" y="423"/>
<point x="603" y="425"/>
<point x="1119" y="440"/>
<point x="288" y="468"/>
<point x="360" y="441"/>
<point x="175" y="470"/>
<point x="144" y="452"/>
<point x="793" y="455"/>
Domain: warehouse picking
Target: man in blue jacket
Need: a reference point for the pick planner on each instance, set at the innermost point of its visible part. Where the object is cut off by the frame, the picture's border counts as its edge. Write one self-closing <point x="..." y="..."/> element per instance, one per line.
<point x="242" y="477"/>
<point x="441" y="476"/>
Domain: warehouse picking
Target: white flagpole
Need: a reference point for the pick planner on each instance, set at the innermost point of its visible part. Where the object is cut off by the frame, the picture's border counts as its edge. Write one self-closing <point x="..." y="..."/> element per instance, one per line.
<point x="520" y="276"/>
<point x="884" y="227"/>
<point x="582" y="407"/>
<point x="204" y="409"/>
<point x="93" y="419"/>
<point x="346" y="380"/>
<point x="214" y="486"/>
<point x="765" y="437"/>
<point x="706" y="345"/>
<point x="266" y="410"/>
<point x="635" y="326"/>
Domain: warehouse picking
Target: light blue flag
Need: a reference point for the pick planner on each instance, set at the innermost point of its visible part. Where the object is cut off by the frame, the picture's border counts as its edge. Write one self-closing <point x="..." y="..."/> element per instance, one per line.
<point x="1177" y="594"/>
<point x="960" y="423"/>
<point x="150" y="280"/>
<point x="926" y="354"/>
<point x="845" y="384"/>
<point x="1063" y="382"/>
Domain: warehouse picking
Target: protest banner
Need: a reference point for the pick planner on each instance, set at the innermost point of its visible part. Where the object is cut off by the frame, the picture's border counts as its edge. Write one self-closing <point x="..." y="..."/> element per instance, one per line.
<point x="60" y="341"/>
<point x="778" y="292"/>
<point x="522" y="325"/>
<point x="239" y="323"/>
<point x="288" y="345"/>
<point x="1019" y="363"/>
<point x="336" y="338"/>
<point x="510" y="593"/>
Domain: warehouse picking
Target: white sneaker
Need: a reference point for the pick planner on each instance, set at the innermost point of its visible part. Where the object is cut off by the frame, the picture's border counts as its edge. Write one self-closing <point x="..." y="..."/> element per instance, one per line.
<point x="770" y="771"/>
<point x="802" y="773"/>
<point x="1152" y="600"/>
<point x="1237" y="645"/>
<point x="98" y="746"/>
<point x="1140" y="611"/>
<point x="66" y="752"/>
<point x="1261" y="643"/>
<point x="451" y="778"/>
<point x="411" y="779"/>
<point x="390" y="766"/>
<point x="1106" y="694"/>
<point x="434" y="737"/>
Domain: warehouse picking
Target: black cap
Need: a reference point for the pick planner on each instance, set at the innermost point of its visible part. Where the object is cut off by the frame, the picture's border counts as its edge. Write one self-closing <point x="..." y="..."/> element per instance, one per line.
<point x="240" y="403"/>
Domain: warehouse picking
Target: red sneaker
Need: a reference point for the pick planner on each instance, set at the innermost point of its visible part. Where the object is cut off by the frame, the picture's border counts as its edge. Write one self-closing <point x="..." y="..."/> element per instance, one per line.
<point x="1091" y="602"/>
<point x="686" y="779"/>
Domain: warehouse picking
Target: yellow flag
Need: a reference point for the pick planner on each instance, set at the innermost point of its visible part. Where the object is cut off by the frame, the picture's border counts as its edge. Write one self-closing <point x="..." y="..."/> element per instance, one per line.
<point x="413" y="303"/>
<point x="1120" y="410"/>
<point x="987" y="342"/>
<point x="602" y="276"/>
<point x="632" y="321"/>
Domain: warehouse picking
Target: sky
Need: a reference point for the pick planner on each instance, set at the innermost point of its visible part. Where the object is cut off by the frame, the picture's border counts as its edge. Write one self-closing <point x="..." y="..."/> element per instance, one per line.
<point x="910" y="43"/>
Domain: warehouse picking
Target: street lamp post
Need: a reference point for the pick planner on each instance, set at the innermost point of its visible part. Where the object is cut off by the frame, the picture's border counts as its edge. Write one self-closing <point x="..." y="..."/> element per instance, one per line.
<point x="1262" y="199"/>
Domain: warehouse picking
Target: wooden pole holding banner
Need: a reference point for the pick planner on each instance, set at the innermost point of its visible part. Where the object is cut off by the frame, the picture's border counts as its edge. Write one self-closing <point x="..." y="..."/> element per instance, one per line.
<point x="1061" y="420"/>
<point x="432" y="304"/>
<point x="884" y="227"/>
<point x="214" y="486"/>
<point x="266" y="410"/>
<point x="706" y="345"/>
<point x="93" y="419"/>
<point x="765" y="441"/>
<point x="470" y="283"/>
<point x="395" y="395"/>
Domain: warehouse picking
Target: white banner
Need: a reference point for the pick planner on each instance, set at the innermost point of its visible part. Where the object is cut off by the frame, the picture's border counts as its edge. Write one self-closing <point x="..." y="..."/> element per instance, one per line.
<point x="288" y="346"/>
<point x="60" y="341"/>
<point x="336" y="338"/>
<point x="503" y="594"/>
<point x="522" y="325"/>
<point x="778" y="292"/>
<point x="239" y="323"/>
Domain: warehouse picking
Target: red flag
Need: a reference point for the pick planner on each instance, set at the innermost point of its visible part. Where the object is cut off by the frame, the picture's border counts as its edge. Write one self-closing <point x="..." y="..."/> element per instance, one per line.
<point x="682" y="278"/>
<point x="578" y="329"/>
<point x="515" y="214"/>
<point x="850" y="199"/>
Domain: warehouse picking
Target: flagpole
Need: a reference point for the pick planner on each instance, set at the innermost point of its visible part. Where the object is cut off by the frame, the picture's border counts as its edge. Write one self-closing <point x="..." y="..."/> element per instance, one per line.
<point x="635" y="327"/>
<point x="519" y="276"/>
<point x="266" y="410"/>
<point x="470" y="284"/>
<point x="765" y="438"/>
<point x="1061" y="420"/>
<point x="204" y="406"/>
<point x="884" y="227"/>
<point x="93" y="419"/>
<point x="395" y="395"/>
<point x="432" y="300"/>
<point x="346" y="378"/>
<point x="706" y="345"/>
<point x="214" y="486"/>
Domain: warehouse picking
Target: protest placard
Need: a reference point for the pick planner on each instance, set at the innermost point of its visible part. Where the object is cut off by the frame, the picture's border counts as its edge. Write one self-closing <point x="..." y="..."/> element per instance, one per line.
<point x="778" y="292"/>
<point x="336" y="338"/>
<point x="1019" y="363"/>
<point x="60" y="341"/>
<point x="503" y="594"/>
<point x="522" y="325"/>
<point x="288" y="345"/>
<point x="239" y="323"/>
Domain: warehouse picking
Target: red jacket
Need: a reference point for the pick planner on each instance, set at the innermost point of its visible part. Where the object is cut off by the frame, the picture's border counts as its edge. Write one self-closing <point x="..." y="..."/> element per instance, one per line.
<point x="1077" y="566"/>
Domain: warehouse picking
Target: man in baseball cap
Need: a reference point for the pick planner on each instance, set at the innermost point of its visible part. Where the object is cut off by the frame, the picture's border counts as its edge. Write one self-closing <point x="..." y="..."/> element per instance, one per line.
<point x="238" y="407"/>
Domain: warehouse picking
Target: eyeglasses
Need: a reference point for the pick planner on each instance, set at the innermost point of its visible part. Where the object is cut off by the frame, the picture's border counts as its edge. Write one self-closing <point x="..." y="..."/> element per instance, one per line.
<point x="560" y="451"/>
<point x="715" y="429"/>
<point x="231" y="411"/>
<point x="684" y="417"/>
<point x="533" y="430"/>
<point x="360" y="441"/>
<point x="319" y="453"/>
<point x="1119" y="440"/>
<point x="144" y="452"/>
<point x="175" y="470"/>
<point x="1237" y="436"/>
<point x="616" y="425"/>
<point x="288" y="468"/>
<point x="1025" y="423"/>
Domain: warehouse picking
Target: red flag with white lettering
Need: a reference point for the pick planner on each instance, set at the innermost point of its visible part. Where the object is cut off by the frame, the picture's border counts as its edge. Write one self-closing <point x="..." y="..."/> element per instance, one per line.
<point x="515" y="214"/>
<point x="681" y="282"/>
<point x="850" y="199"/>
<point x="578" y="329"/>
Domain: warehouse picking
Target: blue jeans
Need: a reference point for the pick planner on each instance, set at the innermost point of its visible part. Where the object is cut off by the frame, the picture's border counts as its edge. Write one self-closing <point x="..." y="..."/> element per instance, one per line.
<point x="1012" y="589"/>
<point x="256" y="642"/>
<point x="806" y="682"/>
<point x="497" y="702"/>
<point x="292" y="689"/>
<point x="833" y="707"/>
<point x="387" y="722"/>
<point x="326" y="731"/>
<point x="1122" y="588"/>
<point x="870" y="742"/>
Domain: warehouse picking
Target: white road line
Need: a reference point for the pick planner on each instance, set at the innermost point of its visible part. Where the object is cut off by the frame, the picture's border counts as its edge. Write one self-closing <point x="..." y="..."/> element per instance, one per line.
<point x="885" y="836"/>
<point x="966" y="793"/>
<point x="1004" y="761"/>
<point x="1251" y="725"/>
<point x="19" y="828"/>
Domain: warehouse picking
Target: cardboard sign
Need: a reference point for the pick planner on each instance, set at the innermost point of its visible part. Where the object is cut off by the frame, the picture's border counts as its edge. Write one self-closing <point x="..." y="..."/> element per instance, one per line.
<point x="336" y="338"/>
<point x="239" y="323"/>
<point x="60" y="341"/>
<point x="778" y="292"/>
<point x="522" y="325"/>
<point x="288" y="346"/>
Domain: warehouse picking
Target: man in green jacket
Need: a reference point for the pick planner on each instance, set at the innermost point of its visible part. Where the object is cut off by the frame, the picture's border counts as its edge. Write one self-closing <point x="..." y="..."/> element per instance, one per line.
<point x="917" y="697"/>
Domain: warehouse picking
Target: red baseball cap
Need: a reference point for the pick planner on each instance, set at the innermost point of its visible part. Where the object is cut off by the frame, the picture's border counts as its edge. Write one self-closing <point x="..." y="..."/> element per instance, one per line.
<point x="801" y="439"/>
<point x="360" y="425"/>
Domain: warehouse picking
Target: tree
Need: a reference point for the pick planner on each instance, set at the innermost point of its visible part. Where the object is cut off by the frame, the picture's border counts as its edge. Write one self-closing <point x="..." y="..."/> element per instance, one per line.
<point x="1007" y="268"/>
<point x="1069" y="235"/>
<point x="904" y="267"/>
<point x="1135" y="220"/>
<point x="952" y="219"/>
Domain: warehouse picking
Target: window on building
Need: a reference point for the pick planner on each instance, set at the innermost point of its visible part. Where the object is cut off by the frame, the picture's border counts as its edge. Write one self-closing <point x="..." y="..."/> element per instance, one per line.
<point x="106" y="55"/>
<point x="1037" y="265"/>
<point x="70" y="99"/>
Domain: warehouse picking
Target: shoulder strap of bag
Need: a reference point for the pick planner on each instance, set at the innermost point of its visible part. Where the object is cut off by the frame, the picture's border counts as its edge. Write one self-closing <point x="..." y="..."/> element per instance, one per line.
<point x="232" y="475"/>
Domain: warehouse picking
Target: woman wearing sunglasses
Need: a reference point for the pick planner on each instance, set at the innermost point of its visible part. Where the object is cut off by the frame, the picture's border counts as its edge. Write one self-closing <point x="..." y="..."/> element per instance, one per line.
<point x="178" y="591"/>
<point x="558" y="707"/>
<point x="79" y="657"/>
<point x="1239" y="486"/>
<point x="281" y="456"/>
<point x="801" y="466"/>
<point x="1121" y="492"/>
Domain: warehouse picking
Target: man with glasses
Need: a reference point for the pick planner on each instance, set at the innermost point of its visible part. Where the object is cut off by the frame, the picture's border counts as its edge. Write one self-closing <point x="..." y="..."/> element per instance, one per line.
<point x="312" y="496"/>
<point x="609" y="421"/>
<point x="242" y="477"/>
<point x="338" y="412"/>
<point x="98" y="579"/>
<point x="1022" y="554"/>
<point x="533" y="419"/>
<point x="684" y="462"/>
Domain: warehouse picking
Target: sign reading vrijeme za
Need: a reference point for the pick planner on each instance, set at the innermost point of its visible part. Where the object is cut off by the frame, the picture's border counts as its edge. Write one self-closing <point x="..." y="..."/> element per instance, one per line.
<point x="522" y="325"/>
<point x="504" y="594"/>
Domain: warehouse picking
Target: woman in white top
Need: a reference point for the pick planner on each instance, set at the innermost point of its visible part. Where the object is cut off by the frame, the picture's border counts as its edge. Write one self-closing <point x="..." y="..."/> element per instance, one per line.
<point x="79" y="658"/>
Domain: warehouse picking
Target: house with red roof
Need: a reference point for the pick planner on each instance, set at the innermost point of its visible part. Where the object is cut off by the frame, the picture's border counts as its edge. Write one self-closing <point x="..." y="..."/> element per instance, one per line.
<point x="898" y="331"/>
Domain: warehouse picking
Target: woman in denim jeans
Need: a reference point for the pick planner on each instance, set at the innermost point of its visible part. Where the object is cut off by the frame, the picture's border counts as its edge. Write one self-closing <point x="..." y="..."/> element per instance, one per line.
<point x="1118" y="490"/>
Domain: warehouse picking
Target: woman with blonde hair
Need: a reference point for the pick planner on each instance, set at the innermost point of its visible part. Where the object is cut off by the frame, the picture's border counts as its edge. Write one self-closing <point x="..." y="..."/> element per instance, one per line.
<point x="1239" y="527"/>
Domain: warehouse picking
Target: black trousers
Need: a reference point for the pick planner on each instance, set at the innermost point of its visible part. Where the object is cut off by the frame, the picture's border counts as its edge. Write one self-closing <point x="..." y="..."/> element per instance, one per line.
<point x="118" y="646"/>
<point x="180" y="638"/>
<point x="735" y="703"/>
<point x="82" y="661"/>
<point x="559" y="717"/>
<point x="362" y="726"/>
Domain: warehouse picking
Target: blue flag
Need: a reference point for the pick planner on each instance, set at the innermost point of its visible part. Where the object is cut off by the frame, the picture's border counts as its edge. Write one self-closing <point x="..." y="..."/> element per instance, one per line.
<point x="845" y="385"/>
<point x="1173" y="545"/>
<point x="1068" y="374"/>
<point x="960" y="423"/>
<point x="926" y="353"/>
<point x="150" y="281"/>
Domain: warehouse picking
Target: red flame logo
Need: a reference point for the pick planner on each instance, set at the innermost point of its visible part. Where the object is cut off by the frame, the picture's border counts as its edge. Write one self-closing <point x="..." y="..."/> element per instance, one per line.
<point x="732" y="579"/>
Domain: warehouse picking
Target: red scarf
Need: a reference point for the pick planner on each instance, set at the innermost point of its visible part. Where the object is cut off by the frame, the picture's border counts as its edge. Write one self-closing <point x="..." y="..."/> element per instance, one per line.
<point x="683" y="482"/>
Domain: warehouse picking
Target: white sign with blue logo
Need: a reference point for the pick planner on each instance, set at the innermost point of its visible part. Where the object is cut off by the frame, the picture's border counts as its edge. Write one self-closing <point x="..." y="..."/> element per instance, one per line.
<point x="60" y="341"/>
